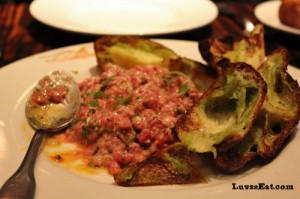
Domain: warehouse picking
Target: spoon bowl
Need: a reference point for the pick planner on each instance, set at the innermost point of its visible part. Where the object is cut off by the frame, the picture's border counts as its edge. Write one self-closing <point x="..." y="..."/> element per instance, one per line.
<point x="51" y="107"/>
<point x="53" y="102"/>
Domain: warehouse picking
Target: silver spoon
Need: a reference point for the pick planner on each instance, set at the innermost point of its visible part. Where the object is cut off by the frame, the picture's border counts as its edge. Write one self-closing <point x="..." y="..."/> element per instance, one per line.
<point x="51" y="106"/>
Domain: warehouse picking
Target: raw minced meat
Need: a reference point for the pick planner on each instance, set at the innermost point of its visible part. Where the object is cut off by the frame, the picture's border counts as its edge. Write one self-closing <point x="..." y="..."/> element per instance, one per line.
<point x="126" y="115"/>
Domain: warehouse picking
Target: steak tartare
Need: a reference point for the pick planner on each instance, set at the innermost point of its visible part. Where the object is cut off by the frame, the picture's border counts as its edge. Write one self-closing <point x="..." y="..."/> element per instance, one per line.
<point x="126" y="115"/>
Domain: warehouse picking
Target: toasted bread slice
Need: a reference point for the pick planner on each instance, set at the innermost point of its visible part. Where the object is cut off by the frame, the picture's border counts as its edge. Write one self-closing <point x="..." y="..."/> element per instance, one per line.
<point x="173" y="165"/>
<point x="278" y="117"/>
<point x="249" y="49"/>
<point x="282" y="105"/>
<point x="129" y="51"/>
<point x="225" y="112"/>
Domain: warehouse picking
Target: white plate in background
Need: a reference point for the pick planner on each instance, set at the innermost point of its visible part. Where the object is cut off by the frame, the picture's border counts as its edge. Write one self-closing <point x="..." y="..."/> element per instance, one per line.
<point x="268" y="13"/>
<point x="124" y="17"/>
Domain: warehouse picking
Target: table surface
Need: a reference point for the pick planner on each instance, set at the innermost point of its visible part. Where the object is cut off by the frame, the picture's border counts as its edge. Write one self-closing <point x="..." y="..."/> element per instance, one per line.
<point x="21" y="35"/>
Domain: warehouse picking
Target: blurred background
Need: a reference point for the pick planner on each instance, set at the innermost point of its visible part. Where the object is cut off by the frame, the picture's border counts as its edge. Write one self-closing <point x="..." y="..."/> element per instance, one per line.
<point x="21" y="35"/>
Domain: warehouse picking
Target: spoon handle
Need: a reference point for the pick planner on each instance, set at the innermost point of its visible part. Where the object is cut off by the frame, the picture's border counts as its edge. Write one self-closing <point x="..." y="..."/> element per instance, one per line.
<point x="21" y="185"/>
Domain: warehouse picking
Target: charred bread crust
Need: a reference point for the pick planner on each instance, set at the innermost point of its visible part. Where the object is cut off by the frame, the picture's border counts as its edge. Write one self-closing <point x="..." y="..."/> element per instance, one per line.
<point x="190" y="123"/>
<point x="160" y="169"/>
<point x="135" y="41"/>
<point x="266" y="151"/>
<point x="246" y="48"/>
<point x="232" y="140"/>
<point x="212" y="49"/>
<point x="232" y="161"/>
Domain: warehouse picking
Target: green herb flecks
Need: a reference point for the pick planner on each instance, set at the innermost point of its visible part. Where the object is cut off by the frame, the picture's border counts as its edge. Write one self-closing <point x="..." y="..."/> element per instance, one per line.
<point x="183" y="89"/>
<point x="106" y="82"/>
<point x="94" y="103"/>
<point x="99" y="94"/>
<point x="122" y="101"/>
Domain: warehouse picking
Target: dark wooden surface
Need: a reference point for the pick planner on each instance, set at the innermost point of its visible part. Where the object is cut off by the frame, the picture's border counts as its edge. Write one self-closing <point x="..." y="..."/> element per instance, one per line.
<point x="23" y="36"/>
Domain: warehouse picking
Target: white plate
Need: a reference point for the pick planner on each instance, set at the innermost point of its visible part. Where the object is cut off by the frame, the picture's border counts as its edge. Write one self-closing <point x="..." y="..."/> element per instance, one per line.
<point x="268" y="13"/>
<point x="124" y="17"/>
<point x="54" y="182"/>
